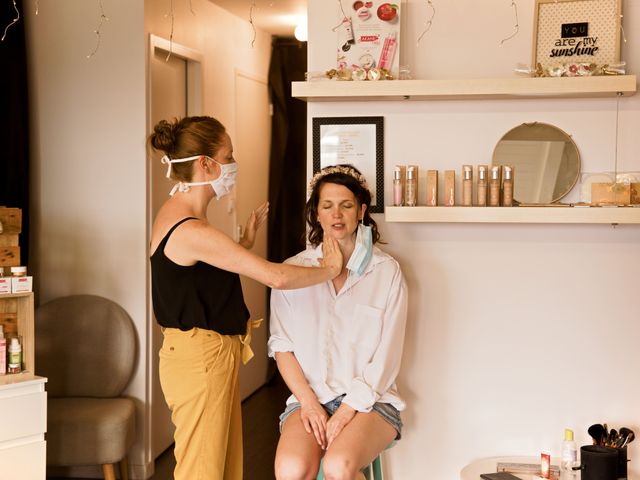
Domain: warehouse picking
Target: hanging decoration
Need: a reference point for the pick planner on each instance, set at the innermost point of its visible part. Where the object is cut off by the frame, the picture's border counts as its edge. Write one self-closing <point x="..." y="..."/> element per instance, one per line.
<point x="103" y="18"/>
<point x="428" y="23"/>
<point x="14" y="21"/>
<point x="253" y="27"/>
<point x="172" y="15"/>
<point x="516" y="27"/>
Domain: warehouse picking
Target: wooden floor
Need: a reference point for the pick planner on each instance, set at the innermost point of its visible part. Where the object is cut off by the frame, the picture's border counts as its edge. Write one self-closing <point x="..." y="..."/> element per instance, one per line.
<point x="260" y="429"/>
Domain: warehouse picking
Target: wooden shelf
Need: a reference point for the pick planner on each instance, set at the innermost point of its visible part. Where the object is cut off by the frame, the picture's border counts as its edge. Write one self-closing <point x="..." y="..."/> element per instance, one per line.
<point x="461" y="89"/>
<point x="614" y="216"/>
<point x="16" y="314"/>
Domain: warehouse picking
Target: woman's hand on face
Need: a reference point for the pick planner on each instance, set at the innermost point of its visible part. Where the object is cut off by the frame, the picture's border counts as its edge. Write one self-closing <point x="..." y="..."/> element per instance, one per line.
<point x="255" y="221"/>
<point x="332" y="255"/>
<point x="314" y="419"/>
<point x="338" y="421"/>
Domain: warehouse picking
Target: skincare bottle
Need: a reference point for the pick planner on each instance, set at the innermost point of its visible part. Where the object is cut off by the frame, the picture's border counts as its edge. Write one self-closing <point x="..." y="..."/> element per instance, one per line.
<point x="397" y="187"/>
<point x="467" y="185"/>
<point x="507" y="187"/>
<point x="14" y="365"/>
<point x="449" y="188"/>
<point x="482" y="186"/>
<point x="411" y="187"/>
<point x="494" y="186"/>
<point x="3" y="352"/>
<point x="432" y="188"/>
<point x="569" y="451"/>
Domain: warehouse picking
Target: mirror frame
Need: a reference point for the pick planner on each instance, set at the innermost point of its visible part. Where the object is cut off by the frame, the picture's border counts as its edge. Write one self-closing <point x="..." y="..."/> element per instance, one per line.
<point x="567" y="136"/>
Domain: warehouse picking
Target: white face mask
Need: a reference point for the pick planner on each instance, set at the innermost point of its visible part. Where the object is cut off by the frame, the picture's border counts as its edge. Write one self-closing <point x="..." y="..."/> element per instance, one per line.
<point x="221" y="185"/>
<point x="363" y="250"/>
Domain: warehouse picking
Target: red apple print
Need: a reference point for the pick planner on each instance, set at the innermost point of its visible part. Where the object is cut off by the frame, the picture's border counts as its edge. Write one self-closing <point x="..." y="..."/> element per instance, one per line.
<point x="387" y="12"/>
<point x="358" y="5"/>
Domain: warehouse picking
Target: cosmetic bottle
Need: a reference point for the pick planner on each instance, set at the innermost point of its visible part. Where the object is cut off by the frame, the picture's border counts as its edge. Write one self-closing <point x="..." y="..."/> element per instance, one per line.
<point x="494" y="186"/>
<point x="411" y="186"/>
<point x="569" y="456"/>
<point x="3" y="352"/>
<point x="482" y="186"/>
<point x="388" y="51"/>
<point x="432" y="188"/>
<point x="14" y="365"/>
<point x="507" y="186"/>
<point x="397" y="187"/>
<point x="449" y="188"/>
<point x="467" y="185"/>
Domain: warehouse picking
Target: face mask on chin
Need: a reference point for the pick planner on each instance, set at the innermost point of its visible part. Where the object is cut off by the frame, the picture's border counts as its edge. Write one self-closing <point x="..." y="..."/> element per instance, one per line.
<point x="221" y="186"/>
<point x="363" y="250"/>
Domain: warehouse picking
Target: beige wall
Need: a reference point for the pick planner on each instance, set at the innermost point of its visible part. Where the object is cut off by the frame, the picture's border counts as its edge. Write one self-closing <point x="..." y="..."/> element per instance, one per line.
<point x="89" y="125"/>
<point x="515" y="331"/>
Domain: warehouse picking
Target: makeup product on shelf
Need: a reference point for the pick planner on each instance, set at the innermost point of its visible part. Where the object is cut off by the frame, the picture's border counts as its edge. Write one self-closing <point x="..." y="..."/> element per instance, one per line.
<point x="411" y="186"/>
<point x="449" y="188"/>
<point x="569" y="451"/>
<point x="3" y="351"/>
<point x="14" y="363"/>
<point x="388" y="51"/>
<point x="545" y="465"/>
<point x="482" y="186"/>
<point x="398" y="188"/>
<point x="467" y="185"/>
<point x="432" y="188"/>
<point x="507" y="186"/>
<point x="494" y="186"/>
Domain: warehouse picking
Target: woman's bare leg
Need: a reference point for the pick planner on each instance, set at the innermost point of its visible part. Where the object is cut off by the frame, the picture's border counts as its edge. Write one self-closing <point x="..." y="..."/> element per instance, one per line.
<point x="355" y="447"/>
<point x="298" y="455"/>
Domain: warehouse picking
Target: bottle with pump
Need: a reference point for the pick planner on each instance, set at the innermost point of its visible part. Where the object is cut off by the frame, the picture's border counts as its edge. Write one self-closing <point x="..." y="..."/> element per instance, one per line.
<point x="14" y="365"/>
<point x="397" y="187"/>
<point x="569" y="451"/>
<point x="3" y="352"/>
<point x="411" y="187"/>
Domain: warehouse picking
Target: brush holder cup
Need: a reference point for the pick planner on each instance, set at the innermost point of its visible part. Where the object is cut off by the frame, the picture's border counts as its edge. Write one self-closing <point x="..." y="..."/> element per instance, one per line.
<point x="603" y="463"/>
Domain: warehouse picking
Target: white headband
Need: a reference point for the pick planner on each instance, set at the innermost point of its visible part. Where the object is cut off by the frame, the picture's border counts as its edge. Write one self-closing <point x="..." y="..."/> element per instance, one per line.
<point x="168" y="161"/>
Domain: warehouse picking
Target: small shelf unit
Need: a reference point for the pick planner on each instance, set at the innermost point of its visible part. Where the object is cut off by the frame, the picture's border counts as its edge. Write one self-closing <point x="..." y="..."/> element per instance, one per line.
<point x="602" y="215"/>
<point x="465" y="89"/>
<point x="16" y="313"/>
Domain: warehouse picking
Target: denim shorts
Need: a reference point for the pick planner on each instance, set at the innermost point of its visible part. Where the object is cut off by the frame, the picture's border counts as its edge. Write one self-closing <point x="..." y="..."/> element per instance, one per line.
<point x="388" y="412"/>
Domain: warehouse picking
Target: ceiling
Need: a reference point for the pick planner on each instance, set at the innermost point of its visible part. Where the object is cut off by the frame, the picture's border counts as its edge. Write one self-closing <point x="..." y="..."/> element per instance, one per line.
<point x="277" y="17"/>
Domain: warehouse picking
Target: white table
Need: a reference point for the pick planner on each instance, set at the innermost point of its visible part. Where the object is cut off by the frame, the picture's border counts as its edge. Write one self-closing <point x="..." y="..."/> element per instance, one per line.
<point x="488" y="465"/>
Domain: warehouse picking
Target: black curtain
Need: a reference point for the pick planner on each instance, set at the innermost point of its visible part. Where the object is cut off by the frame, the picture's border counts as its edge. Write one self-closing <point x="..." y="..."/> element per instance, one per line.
<point x="14" y="134"/>
<point x="287" y="171"/>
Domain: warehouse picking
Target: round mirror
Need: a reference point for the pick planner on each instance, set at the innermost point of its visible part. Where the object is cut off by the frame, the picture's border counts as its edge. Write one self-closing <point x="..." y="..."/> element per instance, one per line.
<point x="545" y="160"/>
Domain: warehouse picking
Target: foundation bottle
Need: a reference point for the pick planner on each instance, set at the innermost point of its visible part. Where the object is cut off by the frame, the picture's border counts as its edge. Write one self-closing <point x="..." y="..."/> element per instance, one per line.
<point x="467" y="186"/>
<point x="411" y="186"/>
<point x="507" y="187"/>
<point x="494" y="186"/>
<point x="397" y="187"/>
<point x="482" y="186"/>
<point x="449" y="188"/>
<point x="432" y="188"/>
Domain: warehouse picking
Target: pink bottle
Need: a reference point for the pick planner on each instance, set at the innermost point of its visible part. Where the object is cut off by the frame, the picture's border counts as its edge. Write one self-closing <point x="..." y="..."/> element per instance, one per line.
<point x="388" y="51"/>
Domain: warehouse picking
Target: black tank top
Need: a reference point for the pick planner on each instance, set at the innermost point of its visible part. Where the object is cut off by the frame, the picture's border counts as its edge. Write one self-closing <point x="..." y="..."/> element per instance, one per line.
<point x="199" y="295"/>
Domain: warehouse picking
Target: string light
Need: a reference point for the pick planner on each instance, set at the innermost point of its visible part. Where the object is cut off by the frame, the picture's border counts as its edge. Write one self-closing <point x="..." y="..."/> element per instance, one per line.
<point x="428" y="23"/>
<point x="37" y="6"/>
<point x="516" y="27"/>
<point x="344" y="16"/>
<point x="14" y="21"/>
<point x="253" y="27"/>
<point x="103" y="18"/>
<point x="171" y="14"/>
<point x="624" y="38"/>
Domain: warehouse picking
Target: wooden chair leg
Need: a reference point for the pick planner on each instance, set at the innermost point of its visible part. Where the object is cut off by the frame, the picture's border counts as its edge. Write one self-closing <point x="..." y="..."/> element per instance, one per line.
<point x="124" y="469"/>
<point x="109" y="471"/>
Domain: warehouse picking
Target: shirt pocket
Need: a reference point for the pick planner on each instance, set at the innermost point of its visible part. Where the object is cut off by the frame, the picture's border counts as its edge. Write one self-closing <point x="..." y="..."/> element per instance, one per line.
<point x="365" y="328"/>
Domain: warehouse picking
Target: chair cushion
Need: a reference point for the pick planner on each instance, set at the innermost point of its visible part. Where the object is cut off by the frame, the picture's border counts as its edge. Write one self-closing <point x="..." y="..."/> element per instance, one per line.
<point x="89" y="431"/>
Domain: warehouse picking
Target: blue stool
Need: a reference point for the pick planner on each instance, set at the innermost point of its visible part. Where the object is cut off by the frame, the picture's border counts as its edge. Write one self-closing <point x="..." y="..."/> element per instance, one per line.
<point x="372" y="471"/>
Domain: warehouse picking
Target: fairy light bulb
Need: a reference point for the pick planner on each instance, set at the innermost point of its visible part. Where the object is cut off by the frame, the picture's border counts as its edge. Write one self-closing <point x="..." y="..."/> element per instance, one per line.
<point x="301" y="32"/>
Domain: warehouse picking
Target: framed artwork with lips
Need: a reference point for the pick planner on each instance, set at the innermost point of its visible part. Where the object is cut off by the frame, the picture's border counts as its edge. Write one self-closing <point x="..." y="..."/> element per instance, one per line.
<point x="368" y="36"/>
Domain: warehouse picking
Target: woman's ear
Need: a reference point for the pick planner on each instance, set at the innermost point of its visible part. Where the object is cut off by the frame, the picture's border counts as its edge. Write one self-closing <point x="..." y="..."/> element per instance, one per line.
<point x="363" y="208"/>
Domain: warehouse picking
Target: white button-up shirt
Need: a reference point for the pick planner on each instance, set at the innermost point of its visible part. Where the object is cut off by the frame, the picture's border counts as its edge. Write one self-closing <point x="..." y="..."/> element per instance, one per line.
<point x="346" y="343"/>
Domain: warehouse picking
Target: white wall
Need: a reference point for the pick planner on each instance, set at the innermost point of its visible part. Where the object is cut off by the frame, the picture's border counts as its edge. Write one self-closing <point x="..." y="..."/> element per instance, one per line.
<point x="89" y="127"/>
<point x="515" y="331"/>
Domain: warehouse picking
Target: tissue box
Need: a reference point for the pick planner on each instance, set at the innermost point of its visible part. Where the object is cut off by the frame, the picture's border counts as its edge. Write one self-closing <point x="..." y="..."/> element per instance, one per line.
<point x="5" y="284"/>
<point x="21" y="284"/>
<point x="610" y="194"/>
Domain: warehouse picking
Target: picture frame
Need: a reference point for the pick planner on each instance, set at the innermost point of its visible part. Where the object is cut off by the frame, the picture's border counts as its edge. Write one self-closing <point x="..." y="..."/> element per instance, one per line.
<point x="358" y="141"/>
<point x="576" y="31"/>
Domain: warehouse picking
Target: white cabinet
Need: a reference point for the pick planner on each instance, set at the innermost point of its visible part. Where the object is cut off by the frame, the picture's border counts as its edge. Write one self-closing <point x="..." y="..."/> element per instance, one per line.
<point x="23" y="422"/>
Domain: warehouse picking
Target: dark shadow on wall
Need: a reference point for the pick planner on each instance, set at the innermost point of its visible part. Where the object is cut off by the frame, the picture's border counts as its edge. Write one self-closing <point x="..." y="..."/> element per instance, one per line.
<point x="287" y="175"/>
<point x="14" y="106"/>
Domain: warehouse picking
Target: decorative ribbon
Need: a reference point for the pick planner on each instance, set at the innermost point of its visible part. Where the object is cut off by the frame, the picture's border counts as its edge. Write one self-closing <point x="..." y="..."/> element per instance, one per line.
<point x="246" y="352"/>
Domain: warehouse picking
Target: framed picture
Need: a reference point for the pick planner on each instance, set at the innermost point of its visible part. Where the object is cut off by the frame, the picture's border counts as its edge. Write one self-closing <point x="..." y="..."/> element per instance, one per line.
<point x="358" y="141"/>
<point x="576" y="31"/>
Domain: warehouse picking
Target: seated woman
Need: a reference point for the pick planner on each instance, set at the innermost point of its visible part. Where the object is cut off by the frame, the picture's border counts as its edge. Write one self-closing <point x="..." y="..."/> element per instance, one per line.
<point x="338" y="344"/>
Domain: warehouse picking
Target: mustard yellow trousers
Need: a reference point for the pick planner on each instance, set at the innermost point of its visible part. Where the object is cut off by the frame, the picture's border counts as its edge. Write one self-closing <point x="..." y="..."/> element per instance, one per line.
<point x="199" y="379"/>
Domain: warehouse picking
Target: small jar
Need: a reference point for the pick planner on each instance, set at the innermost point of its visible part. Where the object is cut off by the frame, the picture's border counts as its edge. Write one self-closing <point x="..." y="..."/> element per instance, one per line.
<point x="18" y="271"/>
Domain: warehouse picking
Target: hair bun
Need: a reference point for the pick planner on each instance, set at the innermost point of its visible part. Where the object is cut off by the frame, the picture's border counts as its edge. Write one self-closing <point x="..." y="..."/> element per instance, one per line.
<point x="164" y="136"/>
